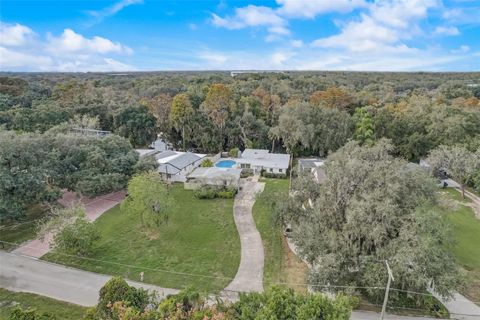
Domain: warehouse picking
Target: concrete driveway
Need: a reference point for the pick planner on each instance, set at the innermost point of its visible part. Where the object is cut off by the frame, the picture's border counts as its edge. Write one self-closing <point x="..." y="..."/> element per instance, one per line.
<point x="249" y="276"/>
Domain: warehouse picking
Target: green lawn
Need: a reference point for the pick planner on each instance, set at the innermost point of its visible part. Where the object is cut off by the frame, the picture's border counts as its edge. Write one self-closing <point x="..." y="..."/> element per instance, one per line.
<point x="281" y="265"/>
<point x="62" y="310"/>
<point x="199" y="238"/>
<point x="21" y="230"/>
<point x="466" y="228"/>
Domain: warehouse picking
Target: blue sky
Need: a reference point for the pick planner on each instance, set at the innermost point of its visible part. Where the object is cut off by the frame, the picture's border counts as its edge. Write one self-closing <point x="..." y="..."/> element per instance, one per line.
<point x="128" y="35"/>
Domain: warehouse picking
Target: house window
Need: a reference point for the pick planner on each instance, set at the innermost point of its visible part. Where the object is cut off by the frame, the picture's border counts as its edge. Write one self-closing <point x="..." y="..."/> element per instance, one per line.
<point x="245" y="165"/>
<point x="280" y="170"/>
<point x="271" y="170"/>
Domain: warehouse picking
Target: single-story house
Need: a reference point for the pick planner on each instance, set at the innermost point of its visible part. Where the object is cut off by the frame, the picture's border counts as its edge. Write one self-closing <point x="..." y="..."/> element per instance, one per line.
<point x="213" y="176"/>
<point x="260" y="159"/>
<point x="176" y="165"/>
<point x="315" y="166"/>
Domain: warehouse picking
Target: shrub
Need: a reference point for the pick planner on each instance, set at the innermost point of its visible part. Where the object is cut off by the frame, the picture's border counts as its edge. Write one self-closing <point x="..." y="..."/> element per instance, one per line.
<point x="30" y="314"/>
<point x="283" y="303"/>
<point x="233" y="153"/>
<point x="207" y="163"/>
<point x="246" y="173"/>
<point x="210" y="192"/>
<point x="77" y="238"/>
<point x="117" y="289"/>
<point x="205" y="193"/>
<point x="226" y="194"/>
<point x="273" y="175"/>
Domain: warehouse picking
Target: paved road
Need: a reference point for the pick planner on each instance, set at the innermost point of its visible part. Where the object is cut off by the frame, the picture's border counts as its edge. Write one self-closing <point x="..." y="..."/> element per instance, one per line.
<point x="461" y="308"/>
<point x="94" y="208"/>
<point x="26" y="274"/>
<point x="369" y="315"/>
<point x="249" y="276"/>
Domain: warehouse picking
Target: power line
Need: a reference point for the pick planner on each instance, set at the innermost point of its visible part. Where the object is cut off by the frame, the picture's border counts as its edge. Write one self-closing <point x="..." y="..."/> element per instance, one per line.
<point x="230" y="278"/>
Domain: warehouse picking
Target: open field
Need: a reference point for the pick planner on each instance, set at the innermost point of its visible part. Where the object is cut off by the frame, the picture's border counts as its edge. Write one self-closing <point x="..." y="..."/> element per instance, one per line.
<point x="466" y="229"/>
<point x="281" y="264"/>
<point x="62" y="310"/>
<point x="199" y="238"/>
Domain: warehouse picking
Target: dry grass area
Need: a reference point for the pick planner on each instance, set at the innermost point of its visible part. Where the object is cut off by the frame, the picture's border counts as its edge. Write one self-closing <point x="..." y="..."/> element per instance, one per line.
<point x="281" y="264"/>
<point x="293" y="269"/>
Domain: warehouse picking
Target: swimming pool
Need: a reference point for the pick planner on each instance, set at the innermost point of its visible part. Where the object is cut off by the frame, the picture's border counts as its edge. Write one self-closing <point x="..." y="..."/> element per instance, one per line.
<point x="225" y="164"/>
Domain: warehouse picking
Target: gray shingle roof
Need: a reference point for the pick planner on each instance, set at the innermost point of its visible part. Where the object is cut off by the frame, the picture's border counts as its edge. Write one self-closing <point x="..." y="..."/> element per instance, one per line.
<point x="176" y="164"/>
<point x="165" y="154"/>
<point x="184" y="160"/>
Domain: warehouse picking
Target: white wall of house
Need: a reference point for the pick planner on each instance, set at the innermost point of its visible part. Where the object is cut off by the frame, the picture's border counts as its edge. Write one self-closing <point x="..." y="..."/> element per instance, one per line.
<point x="276" y="170"/>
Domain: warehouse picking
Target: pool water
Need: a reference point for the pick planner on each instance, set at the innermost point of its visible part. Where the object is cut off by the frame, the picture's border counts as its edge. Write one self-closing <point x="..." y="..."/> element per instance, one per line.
<point x="225" y="164"/>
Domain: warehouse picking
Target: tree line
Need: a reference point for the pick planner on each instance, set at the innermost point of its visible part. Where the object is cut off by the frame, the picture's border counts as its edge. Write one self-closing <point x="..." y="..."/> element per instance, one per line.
<point x="306" y="113"/>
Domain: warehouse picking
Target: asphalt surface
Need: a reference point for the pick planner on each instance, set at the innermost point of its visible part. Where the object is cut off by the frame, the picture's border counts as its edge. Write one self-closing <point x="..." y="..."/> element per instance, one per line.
<point x="26" y="274"/>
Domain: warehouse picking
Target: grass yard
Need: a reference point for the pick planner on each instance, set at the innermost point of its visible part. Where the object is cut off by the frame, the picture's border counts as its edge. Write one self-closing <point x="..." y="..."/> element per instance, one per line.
<point x="466" y="228"/>
<point x="62" y="310"/>
<point x="200" y="238"/>
<point x="281" y="264"/>
<point x="21" y="230"/>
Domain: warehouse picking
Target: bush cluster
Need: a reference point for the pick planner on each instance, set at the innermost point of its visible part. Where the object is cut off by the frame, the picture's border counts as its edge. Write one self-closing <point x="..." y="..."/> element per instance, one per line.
<point x="246" y="173"/>
<point x="209" y="192"/>
<point x="273" y="175"/>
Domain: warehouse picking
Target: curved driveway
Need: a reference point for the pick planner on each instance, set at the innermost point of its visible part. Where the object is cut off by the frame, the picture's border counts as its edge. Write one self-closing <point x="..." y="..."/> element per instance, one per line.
<point x="249" y="276"/>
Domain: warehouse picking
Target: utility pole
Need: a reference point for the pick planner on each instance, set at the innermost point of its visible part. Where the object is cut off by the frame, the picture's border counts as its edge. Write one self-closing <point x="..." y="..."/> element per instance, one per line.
<point x="390" y="279"/>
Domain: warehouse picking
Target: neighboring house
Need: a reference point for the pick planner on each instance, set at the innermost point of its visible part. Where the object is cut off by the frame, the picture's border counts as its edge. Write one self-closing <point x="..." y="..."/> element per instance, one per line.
<point x="155" y="147"/>
<point x="315" y="166"/>
<point x="213" y="176"/>
<point x="259" y="159"/>
<point x="145" y="152"/>
<point x="176" y="165"/>
<point x="160" y="145"/>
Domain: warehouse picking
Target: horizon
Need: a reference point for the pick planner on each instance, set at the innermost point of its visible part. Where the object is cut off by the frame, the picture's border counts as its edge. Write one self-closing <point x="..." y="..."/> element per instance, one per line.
<point x="241" y="35"/>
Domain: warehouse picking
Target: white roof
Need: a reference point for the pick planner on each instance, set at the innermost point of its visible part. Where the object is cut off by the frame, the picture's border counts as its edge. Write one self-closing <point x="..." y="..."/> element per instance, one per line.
<point x="254" y="153"/>
<point x="215" y="173"/>
<point x="260" y="157"/>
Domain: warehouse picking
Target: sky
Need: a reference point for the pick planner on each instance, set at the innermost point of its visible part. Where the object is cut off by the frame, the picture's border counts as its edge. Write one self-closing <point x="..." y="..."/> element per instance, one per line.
<point x="150" y="35"/>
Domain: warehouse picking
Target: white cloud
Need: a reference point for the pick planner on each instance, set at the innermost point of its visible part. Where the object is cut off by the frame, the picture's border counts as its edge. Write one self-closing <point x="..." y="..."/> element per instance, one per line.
<point x="14" y="34"/>
<point x="253" y="16"/>
<point x="14" y="59"/>
<point x="100" y="65"/>
<point x="383" y="28"/>
<point x="70" y="51"/>
<point x="280" y="58"/>
<point x="312" y="8"/>
<point x="72" y="42"/>
<point x="214" y="58"/>
<point x="448" y="31"/>
<point x="296" y="43"/>
<point x="462" y="49"/>
<point x="100" y="15"/>
<point x="308" y="58"/>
